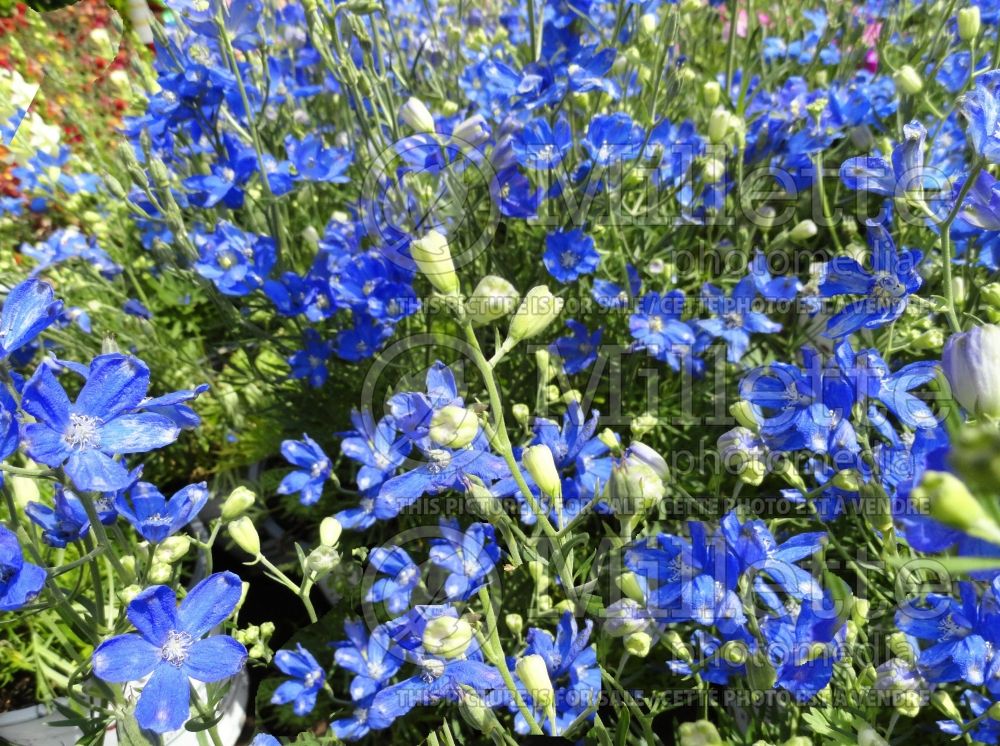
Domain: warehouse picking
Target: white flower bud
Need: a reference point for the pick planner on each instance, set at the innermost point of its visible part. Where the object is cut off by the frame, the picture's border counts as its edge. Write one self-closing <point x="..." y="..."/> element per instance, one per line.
<point x="541" y="465"/>
<point x="447" y="637"/>
<point x="433" y="258"/>
<point x="416" y="115"/>
<point x="534" y="675"/>
<point x="538" y="309"/>
<point x="493" y="298"/>
<point x="244" y="534"/>
<point x="329" y="531"/>
<point x="453" y="426"/>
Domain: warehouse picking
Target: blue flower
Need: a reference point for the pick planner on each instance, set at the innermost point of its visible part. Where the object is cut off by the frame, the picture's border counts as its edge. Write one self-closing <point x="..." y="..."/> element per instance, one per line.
<point x="981" y="108"/>
<point x="169" y="648"/>
<point x="307" y="679"/>
<point x="610" y="295"/>
<point x="985" y="728"/>
<point x="235" y="261"/>
<point x="804" y="650"/>
<point x="174" y="406"/>
<point x="613" y="138"/>
<point x="570" y="254"/>
<point x="657" y="327"/>
<point x="579" y="351"/>
<point x="404" y="576"/>
<point x="886" y="287"/>
<point x="66" y="522"/>
<point x="155" y="517"/>
<point x="734" y="317"/>
<point x="9" y="438"/>
<point x="469" y="557"/>
<point x="541" y="146"/>
<point x="377" y="447"/>
<point x="29" y="308"/>
<point x="310" y="361"/>
<point x="83" y="436"/>
<point x="20" y="581"/>
<point x="895" y="178"/>
<point x="313" y="162"/>
<point x="373" y="660"/>
<point x="315" y="469"/>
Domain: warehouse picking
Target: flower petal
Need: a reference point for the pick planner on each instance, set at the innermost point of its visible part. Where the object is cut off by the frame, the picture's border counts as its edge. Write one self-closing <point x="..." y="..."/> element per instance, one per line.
<point x="116" y="383"/>
<point x="96" y="471"/>
<point x="125" y="658"/>
<point x="45" y="399"/>
<point x="209" y="603"/>
<point x="215" y="658"/>
<point x="138" y="433"/>
<point x="165" y="702"/>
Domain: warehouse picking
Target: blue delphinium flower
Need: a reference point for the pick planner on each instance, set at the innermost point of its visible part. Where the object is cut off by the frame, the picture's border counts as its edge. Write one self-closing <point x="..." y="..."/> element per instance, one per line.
<point x="611" y="295"/>
<point x="613" y="138"/>
<point x="804" y="649"/>
<point x="981" y="108"/>
<point x="155" y="517"/>
<point x="404" y="576"/>
<point x="63" y="523"/>
<point x="9" y="437"/>
<point x="310" y="361"/>
<point x="984" y="728"/>
<point x="307" y="680"/>
<point x="372" y="659"/>
<point x="570" y="254"/>
<point x="103" y="422"/>
<point x="885" y="288"/>
<point x="579" y="351"/>
<point x="313" y="162"/>
<point x="20" y="581"/>
<point x="541" y="146"/>
<point x="169" y="648"/>
<point x="175" y="406"/>
<point x="27" y="310"/>
<point x="734" y="317"/>
<point x="469" y="557"/>
<point x="235" y="261"/>
<point x="378" y="447"/>
<point x="895" y="178"/>
<point x="657" y="327"/>
<point x="315" y="469"/>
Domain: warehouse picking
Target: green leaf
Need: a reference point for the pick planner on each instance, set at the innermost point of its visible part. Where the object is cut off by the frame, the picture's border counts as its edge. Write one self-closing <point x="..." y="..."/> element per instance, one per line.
<point x="621" y="732"/>
<point x="131" y="734"/>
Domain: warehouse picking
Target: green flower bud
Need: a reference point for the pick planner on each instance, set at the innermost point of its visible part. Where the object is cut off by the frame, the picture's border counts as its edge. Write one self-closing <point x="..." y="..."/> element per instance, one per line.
<point x="453" y="426"/>
<point x="433" y="258"/>
<point x="172" y="549"/>
<point x="628" y="583"/>
<point x="713" y="171"/>
<point x="541" y="466"/>
<point x="638" y="644"/>
<point x="416" y="114"/>
<point x="543" y="360"/>
<point x="944" y="704"/>
<point x="711" y="92"/>
<point x="493" y="298"/>
<point x="647" y="25"/>
<point x="677" y="646"/>
<point x="521" y="413"/>
<point x="534" y="675"/>
<point x="718" y="125"/>
<point x="329" y="531"/>
<point x="322" y="560"/>
<point x="699" y="733"/>
<point x="128" y="593"/>
<point x="969" y="23"/>
<point x="447" y="637"/>
<point x="908" y="80"/>
<point x="735" y="652"/>
<point x="643" y="424"/>
<point x="608" y="437"/>
<point x="803" y="231"/>
<point x="244" y="534"/>
<point x="948" y="500"/>
<point x="994" y="711"/>
<point x="538" y="309"/>
<point x="238" y="502"/>
<point x="160" y="573"/>
<point x="514" y="622"/>
<point x="743" y="412"/>
<point x="990" y="293"/>
<point x="847" y="479"/>
<point x="475" y="712"/>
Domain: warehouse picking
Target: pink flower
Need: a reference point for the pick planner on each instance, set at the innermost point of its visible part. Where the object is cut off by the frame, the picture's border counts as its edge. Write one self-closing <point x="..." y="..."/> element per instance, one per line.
<point x="871" y="60"/>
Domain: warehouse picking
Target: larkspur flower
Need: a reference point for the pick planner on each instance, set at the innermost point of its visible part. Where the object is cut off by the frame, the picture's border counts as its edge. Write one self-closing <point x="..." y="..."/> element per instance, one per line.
<point x="155" y="517"/>
<point x="467" y="556"/>
<point x="579" y="351"/>
<point x="63" y="523"/>
<point x="310" y="362"/>
<point x="373" y="659"/>
<point x="403" y="576"/>
<point x="377" y="447"/>
<point x="734" y="317"/>
<point x="103" y="422"/>
<point x="27" y="310"/>
<point x="169" y="648"/>
<point x="570" y="254"/>
<point x="541" y="146"/>
<point x="885" y="288"/>
<point x="314" y="469"/>
<point x="20" y="581"/>
<point x="307" y="680"/>
<point x="657" y="327"/>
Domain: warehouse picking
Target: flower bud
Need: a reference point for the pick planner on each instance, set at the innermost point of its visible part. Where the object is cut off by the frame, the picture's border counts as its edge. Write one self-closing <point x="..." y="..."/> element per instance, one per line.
<point x="970" y="361"/>
<point x="541" y="466"/>
<point x="969" y="23"/>
<point x="990" y="293"/>
<point x="472" y="132"/>
<point x="433" y="258"/>
<point x="476" y="712"/>
<point x="609" y="438"/>
<point x="329" y="531"/>
<point x="638" y="644"/>
<point x="643" y="424"/>
<point x="244" y="534"/>
<point x="538" y="309"/>
<point x="447" y="636"/>
<point x="625" y="617"/>
<point x="493" y="298"/>
<point x="238" y="502"/>
<point x="172" y="549"/>
<point x="711" y="92"/>
<point x="908" y="80"/>
<point x="994" y="711"/>
<point x="543" y="359"/>
<point x="514" y="622"/>
<point x="803" y="231"/>
<point x="416" y="115"/>
<point x="647" y="25"/>
<point x="677" y="645"/>
<point x="322" y="560"/>
<point x="944" y="704"/>
<point x="946" y="498"/>
<point x="535" y="677"/>
<point x="713" y="171"/>
<point x="453" y="426"/>
<point x="718" y="124"/>
<point x="521" y="413"/>
<point x="635" y="486"/>
<point x="640" y="452"/>
<point x="699" y="733"/>
<point x="735" y="652"/>
<point x="128" y="593"/>
<point x="481" y="501"/>
<point x="847" y="479"/>
<point x="628" y="583"/>
<point x="159" y="573"/>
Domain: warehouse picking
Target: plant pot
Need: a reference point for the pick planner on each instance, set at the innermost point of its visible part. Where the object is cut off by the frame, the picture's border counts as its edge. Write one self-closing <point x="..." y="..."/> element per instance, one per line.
<point x="32" y="726"/>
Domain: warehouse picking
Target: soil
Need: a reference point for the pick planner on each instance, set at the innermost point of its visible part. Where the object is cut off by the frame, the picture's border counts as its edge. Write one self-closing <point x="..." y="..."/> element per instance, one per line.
<point x="19" y="693"/>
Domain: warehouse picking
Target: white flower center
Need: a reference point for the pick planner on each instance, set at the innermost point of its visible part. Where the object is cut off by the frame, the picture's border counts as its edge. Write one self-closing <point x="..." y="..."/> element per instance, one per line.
<point x="83" y="432"/>
<point x="175" y="650"/>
